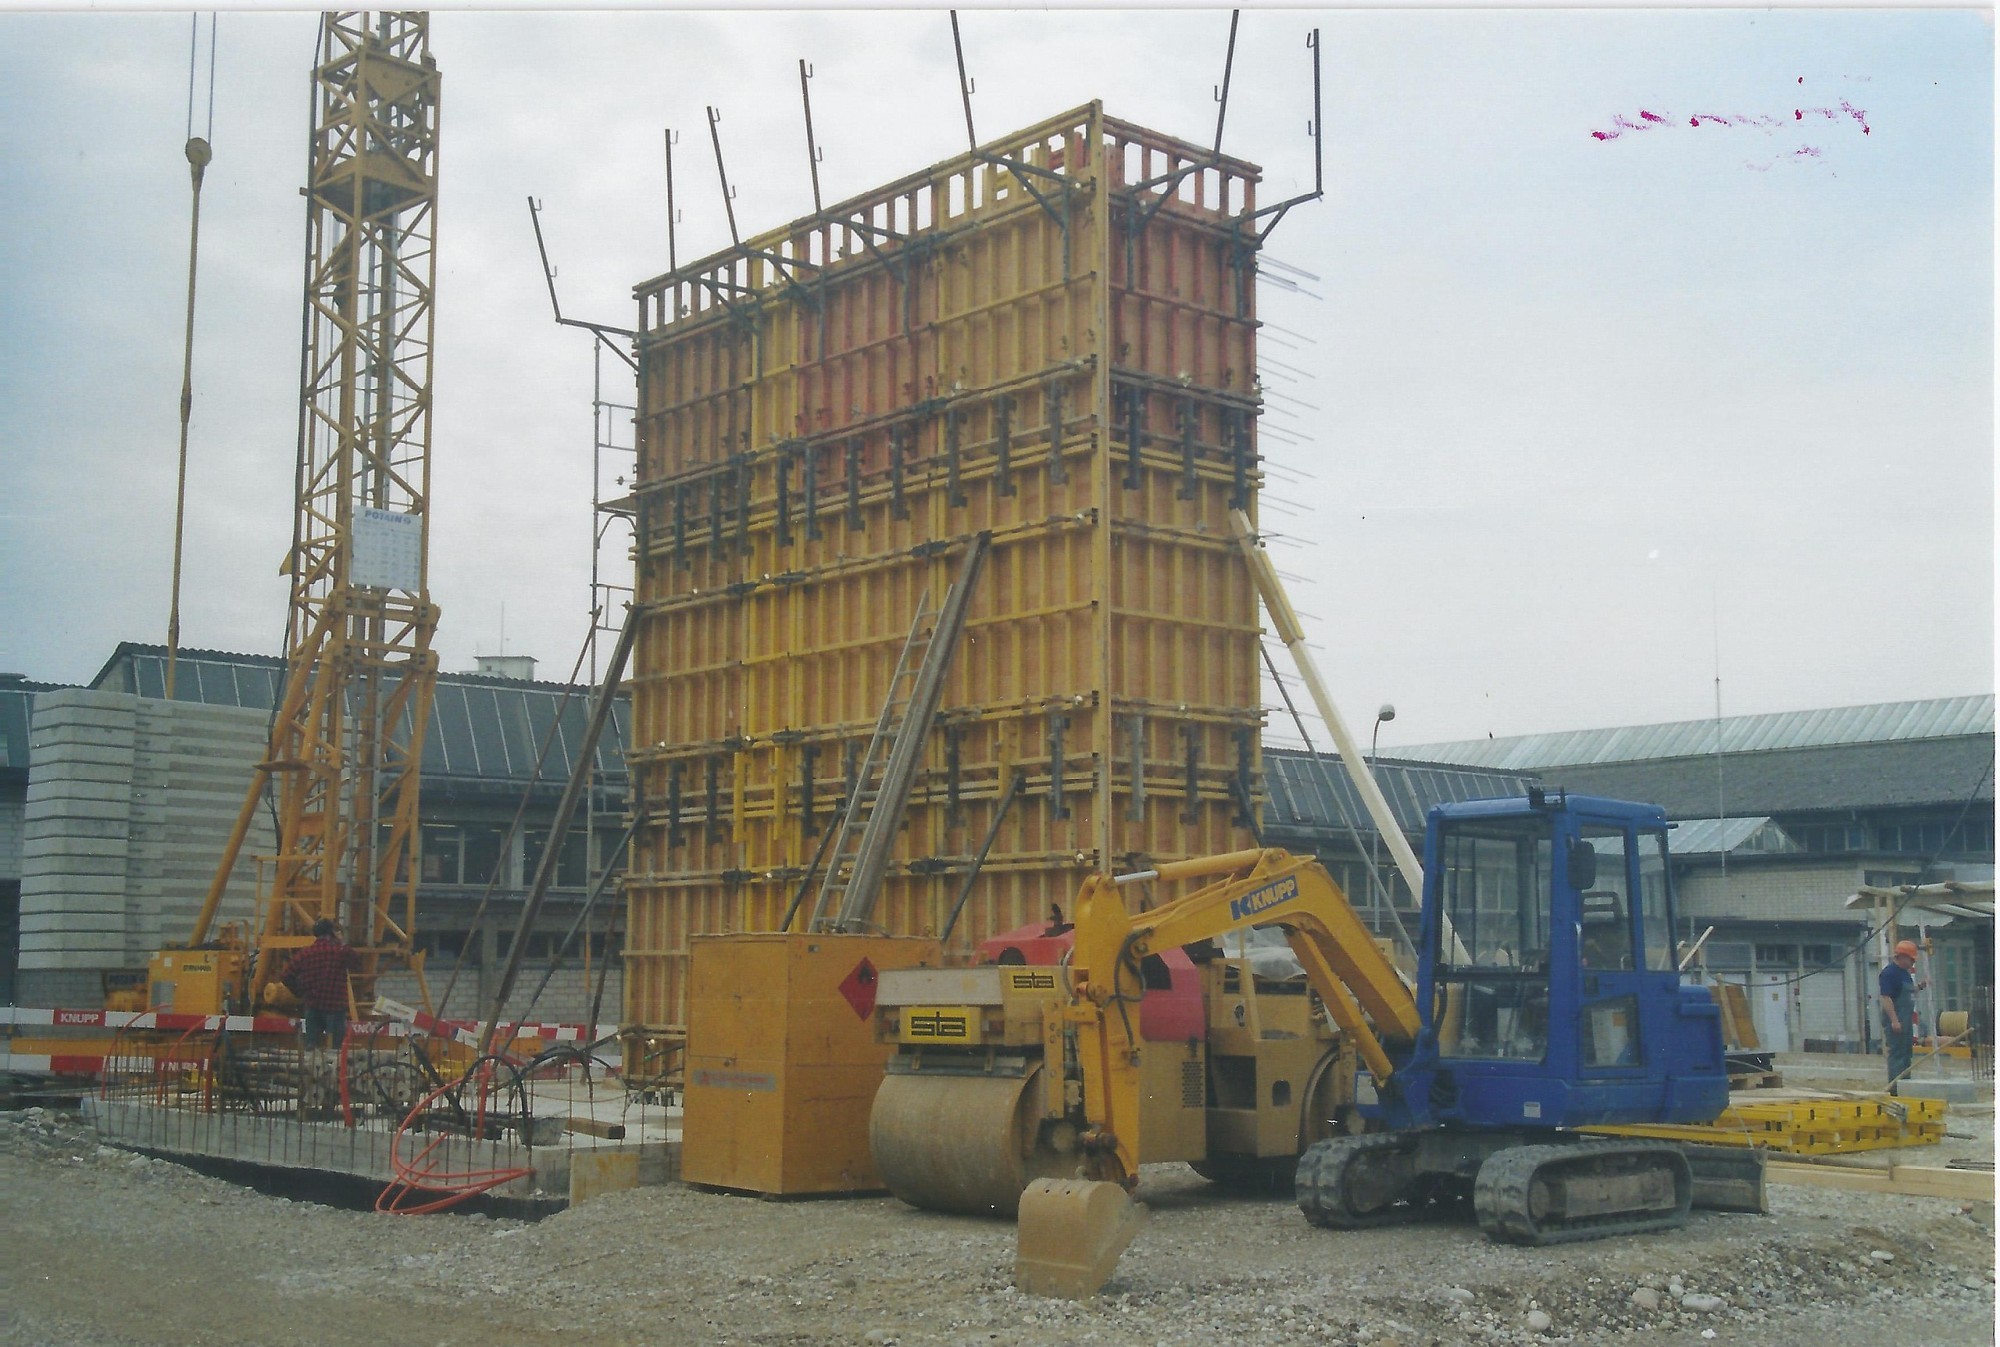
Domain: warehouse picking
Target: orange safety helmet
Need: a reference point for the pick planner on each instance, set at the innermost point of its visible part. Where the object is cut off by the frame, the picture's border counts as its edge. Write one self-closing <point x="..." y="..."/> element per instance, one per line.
<point x="1908" y="947"/>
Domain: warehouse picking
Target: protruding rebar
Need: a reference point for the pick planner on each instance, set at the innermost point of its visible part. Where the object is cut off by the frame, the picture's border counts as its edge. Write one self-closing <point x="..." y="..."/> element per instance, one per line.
<point x="964" y="84"/>
<point x="673" y="215"/>
<point x="812" y="147"/>
<point x="728" y="205"/>
<point x="1228" y="66"/>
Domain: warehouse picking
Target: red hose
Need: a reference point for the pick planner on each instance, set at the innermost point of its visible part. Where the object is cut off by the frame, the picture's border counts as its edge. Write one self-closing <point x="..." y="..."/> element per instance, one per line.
<point x="419" y="1174"/>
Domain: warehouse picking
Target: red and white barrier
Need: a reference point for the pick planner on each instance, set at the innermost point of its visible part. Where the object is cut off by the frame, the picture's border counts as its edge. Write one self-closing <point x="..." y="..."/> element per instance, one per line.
<point x="89" y="1062"/>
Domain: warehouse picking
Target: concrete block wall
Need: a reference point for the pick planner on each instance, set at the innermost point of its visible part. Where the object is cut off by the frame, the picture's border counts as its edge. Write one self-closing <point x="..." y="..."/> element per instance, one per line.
<point x="190" y="767"/>
<point x="566" y="1000"/>
<point x="75" y="831"/>
<point x="1802" y="892"/>
<point x="129" y="803"/>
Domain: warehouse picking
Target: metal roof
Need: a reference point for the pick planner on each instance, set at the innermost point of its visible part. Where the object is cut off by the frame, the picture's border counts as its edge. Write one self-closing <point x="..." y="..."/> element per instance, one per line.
<point x="1904" y="774"/>
<point x="1309" y="794"/>
<point x="483" y="730"/>
<point x="17" y="704"/>
<point x="1708" y="836"/>
<point x="1883" y="722"/>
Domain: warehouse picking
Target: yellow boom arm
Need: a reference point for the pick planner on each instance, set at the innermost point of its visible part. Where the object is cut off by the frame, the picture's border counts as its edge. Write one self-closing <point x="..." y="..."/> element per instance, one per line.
<point x="1361" y="988"/>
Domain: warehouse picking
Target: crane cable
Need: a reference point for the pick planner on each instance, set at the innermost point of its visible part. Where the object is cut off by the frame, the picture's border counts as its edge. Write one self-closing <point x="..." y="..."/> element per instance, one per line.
<point x="198" y="157"/>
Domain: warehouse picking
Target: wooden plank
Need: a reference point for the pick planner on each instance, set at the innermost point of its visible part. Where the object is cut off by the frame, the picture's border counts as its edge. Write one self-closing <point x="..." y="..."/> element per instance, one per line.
<point x="1903" y="1180"/>
<point x="595" y="1127"/>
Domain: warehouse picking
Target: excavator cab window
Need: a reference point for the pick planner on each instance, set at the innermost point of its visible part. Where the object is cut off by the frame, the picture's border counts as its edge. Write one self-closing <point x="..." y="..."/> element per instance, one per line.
<point x="1605" y="910"/>
<point x="1493" y="964"/>
<point x="1656" y="920"/>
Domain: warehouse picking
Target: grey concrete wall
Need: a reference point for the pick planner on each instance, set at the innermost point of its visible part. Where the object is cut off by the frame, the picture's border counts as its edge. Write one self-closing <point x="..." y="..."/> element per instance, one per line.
<point x="566" y="1001"/>
<point x="74" y="988"/>
<point x="1808" y="891"/>
<point x="130" y="801"/>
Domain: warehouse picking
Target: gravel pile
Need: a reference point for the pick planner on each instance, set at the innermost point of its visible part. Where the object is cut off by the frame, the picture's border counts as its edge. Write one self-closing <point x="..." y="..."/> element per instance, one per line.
<point x="106" y="1249"/>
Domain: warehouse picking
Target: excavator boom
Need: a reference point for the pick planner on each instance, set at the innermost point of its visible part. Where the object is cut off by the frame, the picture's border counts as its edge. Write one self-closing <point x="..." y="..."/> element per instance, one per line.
<point x="1359" y="986"/>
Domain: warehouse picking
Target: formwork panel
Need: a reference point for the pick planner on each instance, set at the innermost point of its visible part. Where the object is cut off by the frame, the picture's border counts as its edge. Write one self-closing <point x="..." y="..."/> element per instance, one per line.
<point x="1034" y="342"/>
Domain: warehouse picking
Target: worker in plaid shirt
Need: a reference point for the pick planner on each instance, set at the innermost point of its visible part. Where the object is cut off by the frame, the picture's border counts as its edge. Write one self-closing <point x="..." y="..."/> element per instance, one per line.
<point x="317" y="975"/>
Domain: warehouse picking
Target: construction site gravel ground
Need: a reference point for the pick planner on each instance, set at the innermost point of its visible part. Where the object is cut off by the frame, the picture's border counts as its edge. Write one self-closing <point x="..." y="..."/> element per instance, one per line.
<point x="108" y="1249"/>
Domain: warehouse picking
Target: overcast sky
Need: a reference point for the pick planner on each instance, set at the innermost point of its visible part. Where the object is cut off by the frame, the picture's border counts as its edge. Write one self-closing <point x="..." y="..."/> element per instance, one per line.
<point x="1639" y="346"/>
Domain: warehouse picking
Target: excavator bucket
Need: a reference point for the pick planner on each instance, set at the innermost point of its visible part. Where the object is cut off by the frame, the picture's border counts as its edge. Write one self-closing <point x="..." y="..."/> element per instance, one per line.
<point x="1071" y="1234"/>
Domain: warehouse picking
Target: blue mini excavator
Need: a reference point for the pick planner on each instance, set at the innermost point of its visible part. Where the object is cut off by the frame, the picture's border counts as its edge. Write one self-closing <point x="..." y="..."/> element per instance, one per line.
<point x="1546" y="1001"/>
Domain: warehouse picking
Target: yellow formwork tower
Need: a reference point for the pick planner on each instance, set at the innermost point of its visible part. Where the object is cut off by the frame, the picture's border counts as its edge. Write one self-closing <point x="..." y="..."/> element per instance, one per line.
<point x="1052" y="338"/>
<point x="347" y="739"/>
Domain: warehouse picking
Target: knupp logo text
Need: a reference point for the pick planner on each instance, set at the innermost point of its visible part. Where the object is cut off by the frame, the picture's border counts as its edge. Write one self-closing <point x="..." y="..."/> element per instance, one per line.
<point x="1264" y="899"/>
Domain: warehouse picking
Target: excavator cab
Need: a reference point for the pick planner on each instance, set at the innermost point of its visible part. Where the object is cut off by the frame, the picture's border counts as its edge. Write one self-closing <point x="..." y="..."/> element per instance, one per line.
<point x="1547" y="964"/>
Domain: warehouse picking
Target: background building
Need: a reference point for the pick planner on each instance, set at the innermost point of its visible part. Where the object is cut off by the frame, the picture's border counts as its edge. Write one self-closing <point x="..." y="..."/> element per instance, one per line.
<point x="100" y="861"/>
<point x="130" y="797"/>
<point x="17" y="700"/>
<point x="1784" y="818"/>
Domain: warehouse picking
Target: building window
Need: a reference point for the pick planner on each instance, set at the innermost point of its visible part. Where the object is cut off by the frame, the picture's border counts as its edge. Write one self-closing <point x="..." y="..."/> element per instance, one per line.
<point x="441" y="858"/>
<point x="444" y="947"/>
<point x="1829" y="836"/>
<point x="1727" y="954"/>
<point x="571" y="863"/>
<point x="484" y="861"/>
<point x="1776" y="956"/>
<point x="1951" y="973"/>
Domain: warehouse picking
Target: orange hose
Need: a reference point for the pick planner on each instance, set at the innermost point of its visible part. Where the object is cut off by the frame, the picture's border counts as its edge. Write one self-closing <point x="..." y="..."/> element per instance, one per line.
<point x="418" y="1174"/>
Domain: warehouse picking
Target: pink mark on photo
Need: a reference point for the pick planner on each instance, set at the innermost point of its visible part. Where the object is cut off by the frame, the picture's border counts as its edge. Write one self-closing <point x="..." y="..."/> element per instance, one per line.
<point x="1649" y="120"/>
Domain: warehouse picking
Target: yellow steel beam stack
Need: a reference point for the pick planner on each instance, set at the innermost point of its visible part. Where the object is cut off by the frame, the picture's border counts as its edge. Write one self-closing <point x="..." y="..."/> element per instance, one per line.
<point x="1053" y="339"/>
<point x="1810" y="1125"/>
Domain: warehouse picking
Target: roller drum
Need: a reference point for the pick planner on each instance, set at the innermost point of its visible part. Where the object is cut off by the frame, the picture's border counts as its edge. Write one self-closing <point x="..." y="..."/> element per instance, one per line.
<point x="967" y="1144"/>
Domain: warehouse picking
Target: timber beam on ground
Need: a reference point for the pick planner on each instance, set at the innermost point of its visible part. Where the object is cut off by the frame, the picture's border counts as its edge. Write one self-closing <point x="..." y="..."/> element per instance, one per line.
<point x="1962" y="1185"/>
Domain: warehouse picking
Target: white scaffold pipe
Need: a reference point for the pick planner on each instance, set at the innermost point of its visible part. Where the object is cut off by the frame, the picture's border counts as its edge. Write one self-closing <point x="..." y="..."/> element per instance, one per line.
<point x="1293" y="635"/>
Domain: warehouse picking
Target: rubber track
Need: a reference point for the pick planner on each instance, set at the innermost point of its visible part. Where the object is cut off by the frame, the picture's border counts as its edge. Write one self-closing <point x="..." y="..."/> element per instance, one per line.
<point x="1500" y="1194"/>
<point x="1324" y="1171"/>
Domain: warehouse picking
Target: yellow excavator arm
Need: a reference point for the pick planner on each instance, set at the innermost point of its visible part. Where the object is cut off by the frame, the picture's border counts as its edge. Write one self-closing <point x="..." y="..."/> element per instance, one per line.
<point x="1361" y="988"/>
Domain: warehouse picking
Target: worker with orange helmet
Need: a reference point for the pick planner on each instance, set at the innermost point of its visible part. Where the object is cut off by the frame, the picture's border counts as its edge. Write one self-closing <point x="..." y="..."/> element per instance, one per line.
<point x="1899" y="987"/>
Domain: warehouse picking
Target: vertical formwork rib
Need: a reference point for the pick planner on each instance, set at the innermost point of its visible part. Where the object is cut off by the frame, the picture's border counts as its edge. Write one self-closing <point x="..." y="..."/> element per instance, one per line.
<point x="1050" y="339"/>
<point x="348" y="736"/>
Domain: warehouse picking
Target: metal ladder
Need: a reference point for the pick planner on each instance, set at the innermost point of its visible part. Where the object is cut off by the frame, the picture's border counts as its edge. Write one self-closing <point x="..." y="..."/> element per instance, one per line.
<point x="874" y="811"/>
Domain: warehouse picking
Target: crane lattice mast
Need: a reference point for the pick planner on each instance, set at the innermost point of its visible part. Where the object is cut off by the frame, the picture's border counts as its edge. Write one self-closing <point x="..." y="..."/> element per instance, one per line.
<point x="348" y="735"/>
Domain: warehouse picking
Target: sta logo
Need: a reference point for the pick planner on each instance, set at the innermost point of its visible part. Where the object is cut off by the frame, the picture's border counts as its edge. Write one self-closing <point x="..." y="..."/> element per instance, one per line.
<point x="937" y="1024"/>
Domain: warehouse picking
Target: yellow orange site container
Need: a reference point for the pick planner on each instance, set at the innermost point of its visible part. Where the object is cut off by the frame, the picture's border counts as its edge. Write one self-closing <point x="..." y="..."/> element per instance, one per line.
<point x="782" y="1062"/>
<point x="1054" y="340"/>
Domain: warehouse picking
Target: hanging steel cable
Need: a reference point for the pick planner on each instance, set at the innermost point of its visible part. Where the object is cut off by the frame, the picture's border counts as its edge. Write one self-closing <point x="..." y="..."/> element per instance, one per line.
<point x="198" y="154"/>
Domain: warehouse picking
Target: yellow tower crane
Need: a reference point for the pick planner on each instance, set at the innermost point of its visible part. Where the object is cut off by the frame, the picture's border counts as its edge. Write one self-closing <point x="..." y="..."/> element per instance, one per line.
<point x="348" y="733"/>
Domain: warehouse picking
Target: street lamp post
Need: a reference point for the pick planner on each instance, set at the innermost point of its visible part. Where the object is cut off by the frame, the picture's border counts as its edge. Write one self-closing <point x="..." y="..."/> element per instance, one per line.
<point x="1387" y="713"/>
